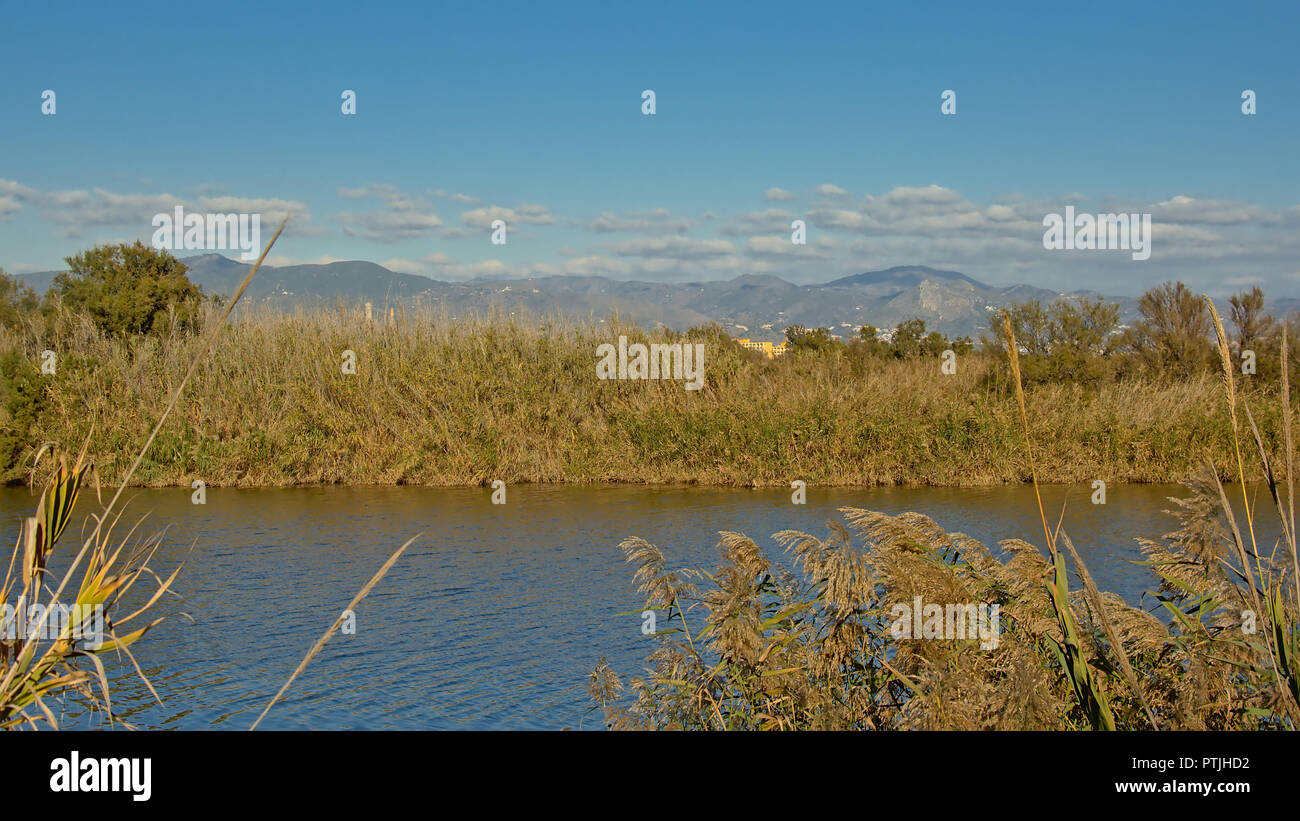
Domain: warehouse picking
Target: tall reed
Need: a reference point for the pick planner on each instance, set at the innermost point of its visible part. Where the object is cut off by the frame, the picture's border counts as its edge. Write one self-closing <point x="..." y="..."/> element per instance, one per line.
<point x="819" y="649"/>
<point x="42" y="658"/>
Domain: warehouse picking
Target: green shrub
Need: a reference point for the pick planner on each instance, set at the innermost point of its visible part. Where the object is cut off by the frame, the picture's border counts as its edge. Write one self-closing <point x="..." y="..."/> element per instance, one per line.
<point x="16" y="300"/>
<point x="22" y="396"/>
<point x="130" y="290"/>
<point x="1071" y="340"/>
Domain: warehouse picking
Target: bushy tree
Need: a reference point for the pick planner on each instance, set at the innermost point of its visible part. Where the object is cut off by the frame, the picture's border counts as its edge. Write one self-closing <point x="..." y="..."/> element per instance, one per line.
<point x="1261" y="333"/>
<point x="1079" y="340"/>
<point x="131" y="289"/>
<point x="1068" y="341"/>
<point x="1080" y="337"/>
<point x="1254" y="327"/>
<point x="816" y="340"/>
<point x="870" y="343"/>
<point x="911" y="339"/>
<point x="1031" y="324"/>
<point x="908" y="338"/>
<point x="16" y="300"/>
<point x="1173" y="336"/>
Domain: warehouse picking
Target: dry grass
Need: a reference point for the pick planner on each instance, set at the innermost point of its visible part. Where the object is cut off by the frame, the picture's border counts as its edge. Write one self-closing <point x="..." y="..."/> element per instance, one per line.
<point x="441" y="402"/>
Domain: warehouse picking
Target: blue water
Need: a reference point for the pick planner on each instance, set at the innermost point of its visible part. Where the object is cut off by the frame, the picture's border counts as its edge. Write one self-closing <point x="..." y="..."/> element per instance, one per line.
<point x="495" y="615"/>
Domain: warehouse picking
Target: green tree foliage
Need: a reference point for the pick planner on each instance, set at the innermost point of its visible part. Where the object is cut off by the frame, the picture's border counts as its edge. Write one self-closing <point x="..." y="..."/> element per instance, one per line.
<point x="816" y="340"/>
<point x="1032" y="324"/>
<point x="1081" y="334"/>
<point x="1070" y="340"/>
<point x="1173" y="336"/>
<point x="909" y="340"/>
<point x="16" y="300"/>
<point x="131" y="289"/>
<point x="1260" y="334"/>
<point x="1080" y="340"/>
<point x="1254" y="327"/>
<point x="22" y="399"/>
<point x="870" y="343"/>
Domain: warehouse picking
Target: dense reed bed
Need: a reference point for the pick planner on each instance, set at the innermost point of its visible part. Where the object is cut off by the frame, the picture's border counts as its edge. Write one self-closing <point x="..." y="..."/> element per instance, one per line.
<point x="752" y="646"/>
<point x="439" y="401"/>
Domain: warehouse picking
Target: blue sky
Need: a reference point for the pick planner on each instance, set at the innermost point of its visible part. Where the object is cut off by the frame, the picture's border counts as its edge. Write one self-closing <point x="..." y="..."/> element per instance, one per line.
<point x="765" y="113"/>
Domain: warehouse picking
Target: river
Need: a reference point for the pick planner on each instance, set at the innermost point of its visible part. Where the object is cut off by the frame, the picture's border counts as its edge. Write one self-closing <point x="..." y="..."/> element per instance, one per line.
<point x="495" y="615"/>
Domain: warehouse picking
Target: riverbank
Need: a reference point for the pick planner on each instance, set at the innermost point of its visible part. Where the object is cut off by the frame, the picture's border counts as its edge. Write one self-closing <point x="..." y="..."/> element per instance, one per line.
<point x="439" y="402"/>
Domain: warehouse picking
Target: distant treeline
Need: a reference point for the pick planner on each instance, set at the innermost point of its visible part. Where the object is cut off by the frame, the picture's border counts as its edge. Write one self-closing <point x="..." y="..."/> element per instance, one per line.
<point x="134" y="290"/>
<point x="1081" y="340"/>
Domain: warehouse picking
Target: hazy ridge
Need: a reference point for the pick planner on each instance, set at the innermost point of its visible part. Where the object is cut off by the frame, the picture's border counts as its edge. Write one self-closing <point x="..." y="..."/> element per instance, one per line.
<point x="760" y="306"/>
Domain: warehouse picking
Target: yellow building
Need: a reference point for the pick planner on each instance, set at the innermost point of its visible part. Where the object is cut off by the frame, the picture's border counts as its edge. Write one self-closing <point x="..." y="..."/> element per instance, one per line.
<point x="767" y="348"/>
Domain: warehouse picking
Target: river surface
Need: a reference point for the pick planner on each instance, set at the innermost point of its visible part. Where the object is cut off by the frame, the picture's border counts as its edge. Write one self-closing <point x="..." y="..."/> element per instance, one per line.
<point x="496" y="614"/>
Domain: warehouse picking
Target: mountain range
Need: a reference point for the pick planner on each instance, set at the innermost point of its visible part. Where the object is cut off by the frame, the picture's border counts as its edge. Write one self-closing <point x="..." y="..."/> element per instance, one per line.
<point x="758" y="306"/>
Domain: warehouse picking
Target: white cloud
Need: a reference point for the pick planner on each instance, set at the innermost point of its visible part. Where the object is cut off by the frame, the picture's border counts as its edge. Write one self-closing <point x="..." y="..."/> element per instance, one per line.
<point x="673" y="248"/>
<point x="829" y="191"/>
<point x="409" y="216"/>
<point x="281" y="261"/>
<point x="523" y="214"/>
<point x="272" y="210"/>
<point x="657" y="220"/>
<point x="838" y="218"/>
<point x="928" y="195"/>
<point x="74" y="210"/>
<point x="594" y="265"/>
<point x="771" y="221"/>
<point x="1183" y="209"/>
<point x="393" y="198"/>
<point x="782" y="247"/>
<point x="388" y="226"/>
<point x="485" y="268"/>
<point x="463" y="199"/>
<point x="1000" y="213"/>
<point x="403" y="266"/>
<point x="1205" y="241"/>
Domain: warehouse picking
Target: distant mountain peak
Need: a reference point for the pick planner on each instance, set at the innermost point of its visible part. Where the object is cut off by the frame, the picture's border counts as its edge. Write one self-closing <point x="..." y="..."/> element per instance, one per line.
<point x="905" y="276"/>
<point x="211" y="259"/>
<point x="752" y="280"/>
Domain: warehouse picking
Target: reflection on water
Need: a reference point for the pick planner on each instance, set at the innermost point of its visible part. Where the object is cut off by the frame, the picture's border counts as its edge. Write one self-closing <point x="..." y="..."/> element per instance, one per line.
<point x="494" y="617"/>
